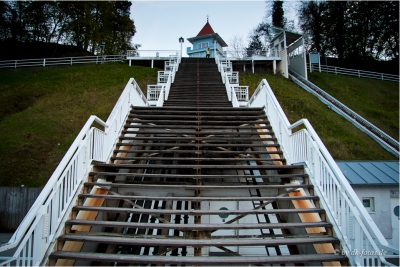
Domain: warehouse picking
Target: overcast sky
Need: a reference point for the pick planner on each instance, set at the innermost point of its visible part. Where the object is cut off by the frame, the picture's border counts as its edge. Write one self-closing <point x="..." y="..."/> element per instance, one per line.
<point x="159" y="24"/>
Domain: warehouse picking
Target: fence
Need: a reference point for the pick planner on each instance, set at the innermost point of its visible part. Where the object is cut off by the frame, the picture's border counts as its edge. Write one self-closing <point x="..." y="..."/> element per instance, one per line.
<point x="35" y="236"/>
<point x="153" y="91"/>
<point x="16" y="202"/>
<point x="353" y="72"/>
<point x="233" y="77"/>
<point x="152" y="53"/>
<point x="46" y="62"/>
<point x="158" y="93"/>
<point x="351" y="222"/>
<point x="246" y="54"/>
<point x="225" y="66"/>
<point x="242" y="92"/>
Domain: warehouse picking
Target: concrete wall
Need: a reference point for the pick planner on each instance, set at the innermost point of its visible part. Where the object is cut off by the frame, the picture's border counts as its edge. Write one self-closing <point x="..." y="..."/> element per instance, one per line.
<point x="15" y="204"/>
<point x="297" y="58"/>
<point x="282" y="65"/>
<point x="382" y="208"/>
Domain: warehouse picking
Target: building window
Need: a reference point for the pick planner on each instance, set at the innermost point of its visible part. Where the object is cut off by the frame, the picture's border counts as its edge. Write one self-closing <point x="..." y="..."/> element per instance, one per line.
<point x="368" y="203"/>
<point x="202" y="45"/>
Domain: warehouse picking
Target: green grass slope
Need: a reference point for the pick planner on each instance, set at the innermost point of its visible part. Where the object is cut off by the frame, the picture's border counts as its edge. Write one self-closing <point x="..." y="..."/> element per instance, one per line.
<point x="41" y="113"/>
<point x="375" y="100"/>
<point x="343" y="140"/>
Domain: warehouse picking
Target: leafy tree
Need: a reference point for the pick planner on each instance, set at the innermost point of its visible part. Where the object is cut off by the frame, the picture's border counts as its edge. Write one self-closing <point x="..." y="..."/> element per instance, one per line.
<point x="261" y="36"/>
<point x="255" y="42"/>
<point x="352" y="29"/>
<point x="85" y="24"/>
<point x="278" y="19"/>
<point x="312" y="22"/>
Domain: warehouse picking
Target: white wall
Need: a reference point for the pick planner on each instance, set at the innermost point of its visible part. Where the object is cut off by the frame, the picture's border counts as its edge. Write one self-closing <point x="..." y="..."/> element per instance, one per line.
<point x="383" y="212"/>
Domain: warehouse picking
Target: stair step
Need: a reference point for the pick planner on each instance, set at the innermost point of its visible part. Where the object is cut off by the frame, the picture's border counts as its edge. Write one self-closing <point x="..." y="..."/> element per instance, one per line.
<point x="199" y="199"/>
<point x="180" y="163"/>
<point x="193" y="260"/>
<point x="196" y="212"/>
<point x="181" y="242"/>
<point x="192" y="227"/>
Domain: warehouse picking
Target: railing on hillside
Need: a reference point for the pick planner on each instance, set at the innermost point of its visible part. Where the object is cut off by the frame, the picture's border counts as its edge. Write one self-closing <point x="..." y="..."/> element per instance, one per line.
<point x="386" y="141"/>
<point x="46" y="62"/>
<point x="233" y="77"/>
<point x="35" y="237"/>
<point x="162" y="76"/>
<point x="351" y="222"/>
<point x="154" y="54"/>
<point x="225" y="66"/>
<point x="248" y="54"/>
<point x="158" y="93"/>
<point x="353" y="72"/>
<point x="242" y="92"/>
<point x="153" y="91"/>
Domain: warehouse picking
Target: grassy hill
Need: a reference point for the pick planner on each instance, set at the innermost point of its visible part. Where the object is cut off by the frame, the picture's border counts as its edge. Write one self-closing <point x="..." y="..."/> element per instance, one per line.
<point x="342" y="139"/>
<point x="42" y="111"/>
<point x="375" y="100"/>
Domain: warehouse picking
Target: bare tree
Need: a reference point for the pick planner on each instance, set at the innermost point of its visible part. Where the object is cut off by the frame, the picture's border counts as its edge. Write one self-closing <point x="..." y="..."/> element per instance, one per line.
<point x="238" y="47"/>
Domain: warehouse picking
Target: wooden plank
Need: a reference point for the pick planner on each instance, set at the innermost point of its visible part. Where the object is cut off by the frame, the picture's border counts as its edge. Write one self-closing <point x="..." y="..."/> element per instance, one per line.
<point x="15" y="204"/>
<point x="203" y="127"/>
<point x="195" y="166"/>
<point x="169" y="185"/>
<point x="205" y="138"/>
<point x="227" y="117"/>
<point x="82" y="215"/>
<point x="197" y="212"/>
<point x="186" y="108"/>
<point x="176" y="242"/>
<point x="216" y="261"/>
<point x="192" y="144"/>
<point x="270" y="148"/>
<point x="190" y="132"/>
<point x="205" y="227"/>
<point x="312" y="217"/>
<point x="200" y="152"/>
<point x="245" y="159"/>
<point x="166" y="198"/>
<point x="194" y="176"/>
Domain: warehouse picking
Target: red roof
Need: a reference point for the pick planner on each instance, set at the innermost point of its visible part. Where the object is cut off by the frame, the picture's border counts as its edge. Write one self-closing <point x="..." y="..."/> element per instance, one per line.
<point x="206" y="30"/>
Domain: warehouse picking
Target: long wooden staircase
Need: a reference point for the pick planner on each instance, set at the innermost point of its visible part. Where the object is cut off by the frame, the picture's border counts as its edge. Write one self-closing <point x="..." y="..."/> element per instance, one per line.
<point x="197" y="182"/>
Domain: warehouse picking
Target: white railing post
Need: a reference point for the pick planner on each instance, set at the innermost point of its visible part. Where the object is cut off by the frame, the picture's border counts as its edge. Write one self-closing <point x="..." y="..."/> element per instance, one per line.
<point x="44" y="62"/>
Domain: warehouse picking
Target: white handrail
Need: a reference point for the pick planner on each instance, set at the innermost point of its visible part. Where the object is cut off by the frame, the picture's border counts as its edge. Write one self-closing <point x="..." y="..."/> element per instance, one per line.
<point x="230" y="89"/>
<point x="361" y="240"/>
<point x="36" y="234"/>
<point x="164" y="91"/>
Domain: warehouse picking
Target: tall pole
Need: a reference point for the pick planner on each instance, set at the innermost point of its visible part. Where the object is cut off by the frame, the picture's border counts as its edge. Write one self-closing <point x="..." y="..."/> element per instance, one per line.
<point x="181" y="40"/>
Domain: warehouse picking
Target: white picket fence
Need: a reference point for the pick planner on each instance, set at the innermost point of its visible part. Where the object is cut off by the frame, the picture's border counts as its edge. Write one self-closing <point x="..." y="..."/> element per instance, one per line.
<point x="47" y="62"/>
<point x="353" y="72"/>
